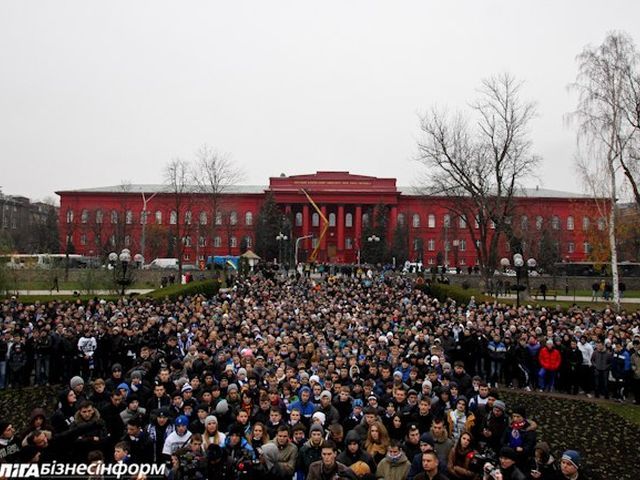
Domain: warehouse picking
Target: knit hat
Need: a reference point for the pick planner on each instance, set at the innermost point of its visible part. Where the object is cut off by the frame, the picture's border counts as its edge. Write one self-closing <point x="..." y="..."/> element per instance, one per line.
<point x="316" y="428"/>
<point x="136" y="374"/>
<point x="427" y="438"/>
<point x="116" y="366"/>
<point x="427" y="383"/>
<point x="123" y="386"/>
<point x="357" y="403"/>
<point x="499" y="404"/>
<point x="210" y="418"/>
<point x="462" y="398"/>
<point x="573" y="456"/>
<point x="75" y="381"/>
<point x="182" y="420"/>
<point x="186" y="388"/>
<point x="232" y="387"/>
<point x="320" y="416"/>
<point x="222" y="407"/>
<point x="508" y="452"/>
<point x="326" y="394"/>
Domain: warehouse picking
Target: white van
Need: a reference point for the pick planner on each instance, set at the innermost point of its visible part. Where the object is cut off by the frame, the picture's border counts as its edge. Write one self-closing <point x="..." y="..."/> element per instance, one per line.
<point x="158" y="263"/>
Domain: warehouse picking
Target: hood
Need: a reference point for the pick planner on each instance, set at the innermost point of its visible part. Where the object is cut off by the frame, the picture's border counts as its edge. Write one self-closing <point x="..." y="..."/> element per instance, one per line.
<point x="351" y="436"/>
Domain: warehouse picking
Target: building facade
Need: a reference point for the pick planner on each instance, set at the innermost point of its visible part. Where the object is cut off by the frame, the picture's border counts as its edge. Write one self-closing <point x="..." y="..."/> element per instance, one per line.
<point x="26" y="226"/>
<point x="99" y="220"/>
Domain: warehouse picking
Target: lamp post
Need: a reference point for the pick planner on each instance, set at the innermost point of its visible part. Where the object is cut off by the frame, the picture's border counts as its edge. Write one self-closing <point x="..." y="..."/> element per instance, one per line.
<point x="298" y="240"/>
<point x="519" y="265"/>
<point x="373" y="239"/>
<point x="280" y="238"/>
<point x="120" y="264"/>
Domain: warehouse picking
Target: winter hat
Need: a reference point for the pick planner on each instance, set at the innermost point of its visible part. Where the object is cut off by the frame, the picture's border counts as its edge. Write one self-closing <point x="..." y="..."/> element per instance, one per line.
<point x="427" y="383"/>
<point x="305" y="389"/>
<point x="222" y="407"/>
<point x="427" y="438"/>
<point x="182" y="420"/>
<point x="116" y="366"/>
<point x="136" y="374"/>
<point x="236" y="429"/>
<point x="508" y="452"/>
<point x="316" y="428"/>
<point x="397" y="373"/>
<point x="499" y="404"/>
<point x="573" y="456"/>
<point x="462" y="398"/>
<point x="242" y="371"/>
<point x="75" y="381"/>
<point x="326" y="394"/>
<point x="123" y="386"/>
<point x="210" y="418"/>
<point x="314" y="379"/>
<point x="186" y="388"/>
<point x="320" y="416"/>
<point x="357" y="403"/>
<point x="303" y="375"/>
<point x="232" y="387"/>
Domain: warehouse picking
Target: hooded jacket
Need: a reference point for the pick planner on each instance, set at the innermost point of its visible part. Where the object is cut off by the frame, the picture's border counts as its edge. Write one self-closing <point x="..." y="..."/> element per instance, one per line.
<point x="347" y="458"/>
<point x="393" y="470"/>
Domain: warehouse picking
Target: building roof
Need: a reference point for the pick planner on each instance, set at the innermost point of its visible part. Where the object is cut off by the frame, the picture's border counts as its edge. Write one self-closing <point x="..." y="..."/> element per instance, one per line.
<point x="160" y="188"/>
<point x="525" y="193"/>
<point x="260" y="189"/>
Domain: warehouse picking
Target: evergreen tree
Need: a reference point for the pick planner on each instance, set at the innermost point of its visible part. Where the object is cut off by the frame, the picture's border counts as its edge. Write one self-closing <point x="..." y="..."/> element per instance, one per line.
<point x="270" y="222"/>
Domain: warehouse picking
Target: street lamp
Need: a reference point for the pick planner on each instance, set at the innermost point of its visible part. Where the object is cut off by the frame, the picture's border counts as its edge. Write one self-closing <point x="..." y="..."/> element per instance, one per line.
<point x="281" y="237"/>
<point x="373" y="239"/>
<point x="120" y="264"/>
<point x="519" y="264"/>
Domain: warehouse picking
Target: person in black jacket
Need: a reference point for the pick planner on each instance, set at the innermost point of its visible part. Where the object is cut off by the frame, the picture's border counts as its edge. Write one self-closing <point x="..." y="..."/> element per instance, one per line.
<point x="140" y="445"/>
<point x="572" y="360"/>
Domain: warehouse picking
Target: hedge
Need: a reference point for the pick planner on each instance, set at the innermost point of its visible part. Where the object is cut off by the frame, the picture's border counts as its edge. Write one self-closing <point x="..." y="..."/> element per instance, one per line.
<point x="443" y="292"/>
<point x="208" y="288"/>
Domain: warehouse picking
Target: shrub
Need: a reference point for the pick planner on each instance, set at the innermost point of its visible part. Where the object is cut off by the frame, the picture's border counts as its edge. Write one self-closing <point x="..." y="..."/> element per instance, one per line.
<point x="461" y="295"/>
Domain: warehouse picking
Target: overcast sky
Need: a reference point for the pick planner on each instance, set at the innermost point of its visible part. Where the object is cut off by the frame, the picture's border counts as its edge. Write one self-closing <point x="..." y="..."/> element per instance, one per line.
<point x="93" y="93"/>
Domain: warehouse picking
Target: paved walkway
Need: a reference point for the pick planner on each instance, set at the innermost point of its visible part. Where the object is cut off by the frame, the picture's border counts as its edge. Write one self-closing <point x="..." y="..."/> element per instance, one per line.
<point x="53" y="293"/>
<point x="569" y="298"/>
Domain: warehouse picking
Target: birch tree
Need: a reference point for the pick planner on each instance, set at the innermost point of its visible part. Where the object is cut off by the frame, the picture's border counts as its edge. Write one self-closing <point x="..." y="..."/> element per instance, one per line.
<point x="607" y="130"/>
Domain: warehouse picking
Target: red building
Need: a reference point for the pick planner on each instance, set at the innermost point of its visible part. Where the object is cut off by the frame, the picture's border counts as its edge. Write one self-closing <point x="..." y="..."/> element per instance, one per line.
<point x="96" y="221"/>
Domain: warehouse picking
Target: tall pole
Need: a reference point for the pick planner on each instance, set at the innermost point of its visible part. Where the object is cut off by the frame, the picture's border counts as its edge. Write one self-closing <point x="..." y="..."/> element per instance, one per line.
<point x="143" y="236"/>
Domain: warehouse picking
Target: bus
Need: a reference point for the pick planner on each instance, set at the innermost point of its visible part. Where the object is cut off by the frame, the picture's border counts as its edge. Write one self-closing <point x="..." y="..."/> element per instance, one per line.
<point x="597" y="269"/>
<point x="21" y="261"/>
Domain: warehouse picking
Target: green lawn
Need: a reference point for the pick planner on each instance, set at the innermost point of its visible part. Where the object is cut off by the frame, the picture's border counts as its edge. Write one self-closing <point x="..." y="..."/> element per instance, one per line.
<point x="624" y="410"/>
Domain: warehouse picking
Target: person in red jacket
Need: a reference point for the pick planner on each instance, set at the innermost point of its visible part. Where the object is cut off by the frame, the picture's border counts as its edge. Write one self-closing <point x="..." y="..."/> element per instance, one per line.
<point x="549" y="359"/>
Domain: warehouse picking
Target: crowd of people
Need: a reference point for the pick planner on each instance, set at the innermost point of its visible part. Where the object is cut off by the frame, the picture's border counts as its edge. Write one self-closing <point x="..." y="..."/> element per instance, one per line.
<point x="296" y="378"/>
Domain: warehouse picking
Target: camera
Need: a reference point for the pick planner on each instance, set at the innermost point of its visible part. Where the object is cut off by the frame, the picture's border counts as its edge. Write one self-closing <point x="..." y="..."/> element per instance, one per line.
<point x="490" y="469"/>
<point x="480" y="459"/>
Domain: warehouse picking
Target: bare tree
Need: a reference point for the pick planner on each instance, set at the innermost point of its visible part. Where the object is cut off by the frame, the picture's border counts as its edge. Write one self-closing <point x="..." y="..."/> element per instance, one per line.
<point x="606" y="130"/>
<point x="177" y="176"/>
<point x="478" y="168"/>
<point x="214" y="174"/>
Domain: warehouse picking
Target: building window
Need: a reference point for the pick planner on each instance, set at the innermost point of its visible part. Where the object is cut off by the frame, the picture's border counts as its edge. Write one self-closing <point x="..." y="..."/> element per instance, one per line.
<point x="492" y="225"/>
<point x="555" y="222"/>
<point x="233" y="242"/>
<point x="417" y="244"/>
<point x="400" y="219"/>
<point x="462" y="221"/>
<point x="187" y="241"/>
<point x="202" y="241"/>
<point x="218" y="218"/>
<point x="348" y="243"/>
<point x="315" y="242"/>
<point x="112" y="240"/>
<point x="298" y="219"/>
<point x="248" y="241"/>
<point x="365" y="219"/>
<point x="524" y="223"/>
<point x="431" y="220"/>
<point x="587" y="247"/>
<point x="248" y="218"/>
<point x="187" y="217"/>
<point x="539" y="222"/>
<point x="173" y="217"/>
<point x="186" y="257"/>
<point x="83" y="239"/>
<point x="128" y="217"/>
<point x="332" y="219"/>
<point x="462" y="246"/>
<point x="446" y="221"/>
<point x="158" y="217"/>
<point x="217" y="242"/>
<point x="99" y="216"/>
<point x="315" y="220"/>
<point x="570" y="223"/>
<point x="571" y="247"/>
<point x="84" y="217"/>
<point x="586" y="223"/>
<point x="416" y="220"/>
<point x="97" y="240"/>
<point x="203" y="218"/>
<point x="233" y="218"/>
<point x="127" y="240"/>
<point x="69" y="216"/>
<point x="601" y="224"/>
<point x="143" y="217"/>
<point x="348" y="220"/>
<point x="431" y="245"/>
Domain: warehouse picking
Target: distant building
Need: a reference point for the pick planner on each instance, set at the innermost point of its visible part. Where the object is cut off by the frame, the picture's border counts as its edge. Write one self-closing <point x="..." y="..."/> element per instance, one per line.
<point x="28" y="227"/>
<point x="95" y="221"/>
